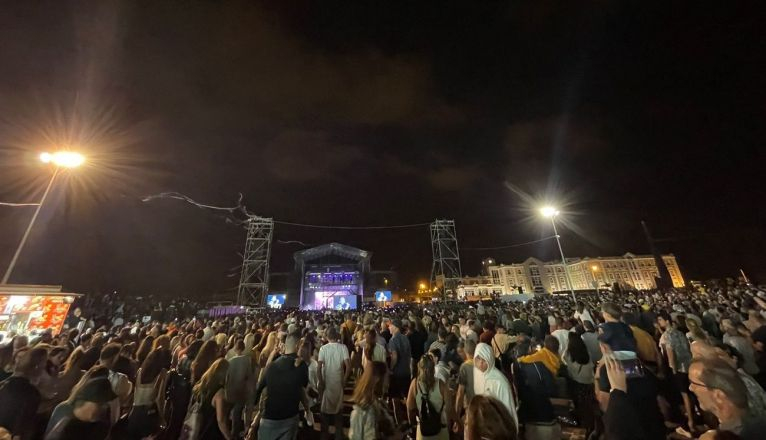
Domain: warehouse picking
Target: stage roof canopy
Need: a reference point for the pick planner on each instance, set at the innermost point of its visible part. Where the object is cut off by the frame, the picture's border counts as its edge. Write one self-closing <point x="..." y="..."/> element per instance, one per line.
<point x="333" y="249"/>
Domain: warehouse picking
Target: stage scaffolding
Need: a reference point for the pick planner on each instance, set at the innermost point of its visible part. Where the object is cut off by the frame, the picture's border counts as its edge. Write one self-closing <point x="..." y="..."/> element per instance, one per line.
<point x="254" y="279"/>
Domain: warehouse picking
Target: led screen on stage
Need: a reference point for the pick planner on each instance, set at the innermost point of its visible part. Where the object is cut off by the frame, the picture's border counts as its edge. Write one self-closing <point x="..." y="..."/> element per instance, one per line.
<point x="275" y="301"/>
<point x="344" y="302"/>
<point x="383" y="295"/>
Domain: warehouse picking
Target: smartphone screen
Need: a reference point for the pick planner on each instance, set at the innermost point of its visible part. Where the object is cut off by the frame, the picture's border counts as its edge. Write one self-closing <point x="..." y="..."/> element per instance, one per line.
<point x="632" y="367"/>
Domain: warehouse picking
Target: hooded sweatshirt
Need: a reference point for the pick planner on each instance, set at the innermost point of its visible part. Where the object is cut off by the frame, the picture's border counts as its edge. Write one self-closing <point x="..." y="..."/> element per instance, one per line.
<point x="492" y="382"/>
<point x="547" y="357"/>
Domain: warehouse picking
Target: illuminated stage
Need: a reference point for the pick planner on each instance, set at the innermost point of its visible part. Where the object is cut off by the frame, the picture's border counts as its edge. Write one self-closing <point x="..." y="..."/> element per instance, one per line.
<point x="332" y="276"/>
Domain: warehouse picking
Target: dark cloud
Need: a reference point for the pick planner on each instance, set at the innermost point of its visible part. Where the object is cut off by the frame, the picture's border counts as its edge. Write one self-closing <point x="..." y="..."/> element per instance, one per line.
<point x="370" y="113"/>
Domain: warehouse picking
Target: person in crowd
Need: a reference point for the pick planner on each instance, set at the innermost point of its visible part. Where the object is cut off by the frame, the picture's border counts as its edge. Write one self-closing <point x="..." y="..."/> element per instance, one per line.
<point x="146" y="416"/>
<point x="582" y="314"/>
<point x="489" y="419"/>
<point x="240" y="386"/>
<point x="369" y="418"/>
<point x="696" y="332"/>
<point x="144" y="349"/>
<point x="441" y="342"/>
<point x="501" y="341"/>
<point x="19" y="397"/>
<point x="642" y="389"/>
<point x="488" y="332"/>
<point x="426" y="386"/>
<point x="204" y="359"/>
<point x="756" y="396"/>
<point x="185" y="362"/>
<point x="333" y="372"/>
<point x="71" y="374"/>
<point x="93" y="352"/>
<point x="465" y="391"/>
<point x="590" y="338"/>
<point x="562" y="334"/>
<point x="675" y="347"/>
<point x="83" y="415"/>
<point x="121" y="385"/>
<point x="286" y="383"/>
<point x="720" y="390"/>
<point x="580" y="371"/>
<point x="372" y="351"/>
<point x="210" y="393"/>
<point x="621" y="416"/>
<point x="733" y="337"/>
<point x="489" y="381"/>
<point x="401" y="354"/>
<point x="646" y="347"/>
<point x="548" y="354"/>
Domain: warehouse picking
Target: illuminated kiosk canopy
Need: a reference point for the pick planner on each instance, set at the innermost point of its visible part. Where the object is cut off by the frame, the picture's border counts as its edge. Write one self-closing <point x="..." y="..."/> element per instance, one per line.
<point x="331" y="274"/>
<point x="26" y="308"/>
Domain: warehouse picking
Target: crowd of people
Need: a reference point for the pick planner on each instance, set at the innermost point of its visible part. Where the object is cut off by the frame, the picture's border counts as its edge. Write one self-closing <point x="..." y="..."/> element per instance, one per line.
<point x="617" y="364"/>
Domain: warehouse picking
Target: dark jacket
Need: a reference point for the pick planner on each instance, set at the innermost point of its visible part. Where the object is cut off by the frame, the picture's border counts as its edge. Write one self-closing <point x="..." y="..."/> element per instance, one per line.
<point x="621" y="419"/>
<point x="536" y="385"/>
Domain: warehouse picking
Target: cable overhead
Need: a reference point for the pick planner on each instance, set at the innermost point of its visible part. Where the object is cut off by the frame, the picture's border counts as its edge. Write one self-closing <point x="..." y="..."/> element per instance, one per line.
<point x="303" y="225"/>
<point x="18" y="204"/>
<point x="507" y="246"/>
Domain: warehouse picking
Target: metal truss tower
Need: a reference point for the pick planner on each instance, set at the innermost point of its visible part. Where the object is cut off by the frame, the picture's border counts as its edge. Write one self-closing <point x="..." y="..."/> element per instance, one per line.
<point x="254" y="280"/>
<point x="445" y="272"/>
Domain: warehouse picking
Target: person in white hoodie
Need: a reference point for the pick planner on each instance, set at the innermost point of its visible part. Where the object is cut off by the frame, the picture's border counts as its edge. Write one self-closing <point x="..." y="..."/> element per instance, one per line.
<point x="489" y="381"/>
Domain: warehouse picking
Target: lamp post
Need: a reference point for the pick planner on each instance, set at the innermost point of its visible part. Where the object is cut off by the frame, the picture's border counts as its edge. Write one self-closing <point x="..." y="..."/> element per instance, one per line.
<point x="61" y="159"/>
<point x="551" y="213"/>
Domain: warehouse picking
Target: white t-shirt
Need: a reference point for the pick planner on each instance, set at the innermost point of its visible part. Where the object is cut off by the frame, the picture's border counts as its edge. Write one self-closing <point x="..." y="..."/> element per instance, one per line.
<point x="584" y="316"/>
<point x="563" y="337"/>
<point x="332" y="356"/>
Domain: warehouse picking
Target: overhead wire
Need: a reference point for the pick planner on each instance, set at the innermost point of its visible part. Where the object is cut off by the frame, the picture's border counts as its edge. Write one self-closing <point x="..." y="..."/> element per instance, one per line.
<point x="304" y="225"/>
<point x="240" y="207"/>
<point x="18" y="204"/>
<point x="506" y="246"/>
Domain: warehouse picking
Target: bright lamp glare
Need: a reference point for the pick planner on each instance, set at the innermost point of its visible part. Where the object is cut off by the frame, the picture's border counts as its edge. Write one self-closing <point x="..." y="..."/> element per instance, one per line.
<point x="64" y="159"/>
<point x="549" y="211"/>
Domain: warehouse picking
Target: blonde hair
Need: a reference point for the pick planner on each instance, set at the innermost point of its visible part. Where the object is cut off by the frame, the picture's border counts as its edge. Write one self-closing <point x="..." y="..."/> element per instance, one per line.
<point x="364" y="392"/>
<point x="213" y="380"/>
<point x="427" y="372"/>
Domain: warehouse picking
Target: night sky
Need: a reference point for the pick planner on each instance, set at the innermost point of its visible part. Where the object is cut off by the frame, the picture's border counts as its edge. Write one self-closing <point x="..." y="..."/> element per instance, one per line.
<point x="379" y="113"/>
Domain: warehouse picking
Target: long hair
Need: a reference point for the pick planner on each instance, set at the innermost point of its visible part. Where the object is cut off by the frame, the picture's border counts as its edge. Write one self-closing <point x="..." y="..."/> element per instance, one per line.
<point x="271" y="342"/>
<point x="577" y="349"/>
<point x="6" y="354"/>
<point x="74" y="361"/>
<point x="365" y="390"/>
<point x="162" y="341"/>
<point x="204" y="359"/>
<point x="371" y="340"/>
<point x="144" y="349"/>
<point x="213" y="380"/>
<point x="94" y="372"/>
<point x="153" y="364"/>
<point x="427" y="372"/>
<point x="193" y="349"/>
<point x="488" y="418"/>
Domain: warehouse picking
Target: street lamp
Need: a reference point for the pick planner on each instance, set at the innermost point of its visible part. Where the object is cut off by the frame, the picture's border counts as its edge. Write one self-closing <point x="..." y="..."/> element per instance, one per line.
<point x="60" y="159"/>
<point x="593" y="270"/>
<point x="551" y="213"/>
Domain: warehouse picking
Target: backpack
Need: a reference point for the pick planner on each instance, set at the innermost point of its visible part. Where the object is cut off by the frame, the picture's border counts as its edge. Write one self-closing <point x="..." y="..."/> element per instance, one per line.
<point x="193" y="421"/>
<point x="430" y="419"/>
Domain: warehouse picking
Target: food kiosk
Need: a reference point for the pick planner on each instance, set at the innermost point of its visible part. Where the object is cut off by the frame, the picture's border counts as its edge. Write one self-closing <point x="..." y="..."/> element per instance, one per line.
<point x="30" y="309"/>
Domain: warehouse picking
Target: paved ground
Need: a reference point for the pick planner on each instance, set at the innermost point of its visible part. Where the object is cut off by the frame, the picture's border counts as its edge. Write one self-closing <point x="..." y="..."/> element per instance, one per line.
<point x="568" y="433"/>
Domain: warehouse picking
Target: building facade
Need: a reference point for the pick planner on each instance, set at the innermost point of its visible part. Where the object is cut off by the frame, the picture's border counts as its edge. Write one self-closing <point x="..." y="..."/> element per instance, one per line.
<point x="629" y="271"/>
<point x="480" y="286"/>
